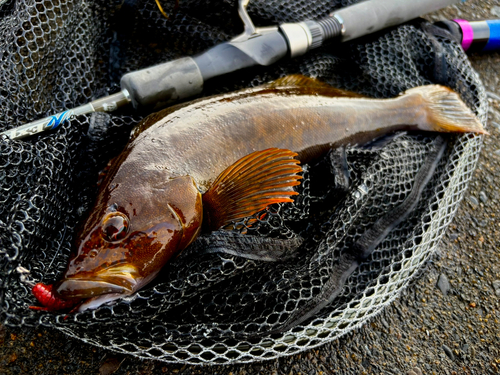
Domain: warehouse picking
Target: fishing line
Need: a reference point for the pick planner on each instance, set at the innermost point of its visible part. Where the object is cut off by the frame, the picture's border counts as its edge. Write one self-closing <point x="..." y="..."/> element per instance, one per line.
<point x="57" y="252"/>
<point x="163" y="12"/>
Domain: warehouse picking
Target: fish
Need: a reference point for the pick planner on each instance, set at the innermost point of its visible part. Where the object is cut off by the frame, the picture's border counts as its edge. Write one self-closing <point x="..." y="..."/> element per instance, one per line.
<point x="211" y="162"/>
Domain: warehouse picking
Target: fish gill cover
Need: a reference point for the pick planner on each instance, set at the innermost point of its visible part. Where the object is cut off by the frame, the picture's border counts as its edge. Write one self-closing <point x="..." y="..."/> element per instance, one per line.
<point x="215" y="307"/>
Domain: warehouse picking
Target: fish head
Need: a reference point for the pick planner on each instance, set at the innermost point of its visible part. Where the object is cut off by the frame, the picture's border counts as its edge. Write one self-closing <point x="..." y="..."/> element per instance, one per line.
<point x="130" y="235"/>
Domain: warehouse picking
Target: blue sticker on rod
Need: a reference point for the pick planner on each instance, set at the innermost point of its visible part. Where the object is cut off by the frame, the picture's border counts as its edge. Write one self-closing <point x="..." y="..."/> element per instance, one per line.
<point x="494" y="41"/>
<point x="55" y="121"/>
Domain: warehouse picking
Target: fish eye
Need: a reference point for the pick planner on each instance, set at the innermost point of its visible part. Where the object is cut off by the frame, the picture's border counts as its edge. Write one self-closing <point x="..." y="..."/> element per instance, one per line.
<point x="115" y="226"/>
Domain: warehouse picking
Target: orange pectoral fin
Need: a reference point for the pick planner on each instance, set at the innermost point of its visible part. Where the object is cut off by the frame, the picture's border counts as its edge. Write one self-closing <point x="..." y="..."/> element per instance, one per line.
<point x="250" y="185"/>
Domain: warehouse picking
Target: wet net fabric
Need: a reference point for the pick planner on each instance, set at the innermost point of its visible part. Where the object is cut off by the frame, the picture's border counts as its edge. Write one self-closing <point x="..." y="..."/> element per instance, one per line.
<point x="214" y="307"/>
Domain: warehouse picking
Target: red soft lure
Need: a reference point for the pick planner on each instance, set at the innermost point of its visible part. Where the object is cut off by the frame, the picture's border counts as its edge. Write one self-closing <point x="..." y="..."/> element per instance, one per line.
<point x="43" y="293"/>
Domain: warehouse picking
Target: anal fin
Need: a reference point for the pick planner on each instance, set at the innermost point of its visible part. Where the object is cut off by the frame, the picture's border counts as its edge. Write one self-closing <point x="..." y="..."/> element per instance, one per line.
<point x="250" y="185"/>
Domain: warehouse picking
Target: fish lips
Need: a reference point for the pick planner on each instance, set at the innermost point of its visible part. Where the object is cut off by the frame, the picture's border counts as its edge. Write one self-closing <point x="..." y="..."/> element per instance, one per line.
<point x="81" y="288"/>
<point x="88" y="286"/>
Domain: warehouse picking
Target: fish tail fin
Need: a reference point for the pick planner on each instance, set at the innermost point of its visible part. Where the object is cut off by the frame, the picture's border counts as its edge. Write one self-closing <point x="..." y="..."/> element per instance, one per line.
<point x="446" y="112"/>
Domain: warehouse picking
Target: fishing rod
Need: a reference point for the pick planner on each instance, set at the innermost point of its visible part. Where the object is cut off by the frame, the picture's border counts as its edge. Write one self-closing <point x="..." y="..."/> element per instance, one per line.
<point x="475" y="36"/>
<point x="164" y="84"/>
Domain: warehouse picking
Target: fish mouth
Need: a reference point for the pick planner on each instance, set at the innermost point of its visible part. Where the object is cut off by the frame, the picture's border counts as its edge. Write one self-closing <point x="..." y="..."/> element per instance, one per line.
<point x="121" y="279"/>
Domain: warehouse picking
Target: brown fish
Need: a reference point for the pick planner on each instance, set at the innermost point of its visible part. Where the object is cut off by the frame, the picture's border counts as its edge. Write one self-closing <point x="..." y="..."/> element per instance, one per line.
<point x="221" y="159"/>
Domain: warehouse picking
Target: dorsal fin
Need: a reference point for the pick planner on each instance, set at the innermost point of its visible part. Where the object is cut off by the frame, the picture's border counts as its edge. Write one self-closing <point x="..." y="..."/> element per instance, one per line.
<point x="298" y="80"/>
<point x="250" y="185"/>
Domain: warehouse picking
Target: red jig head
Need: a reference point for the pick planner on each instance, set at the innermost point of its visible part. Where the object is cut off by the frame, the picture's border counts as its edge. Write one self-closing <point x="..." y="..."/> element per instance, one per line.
<point x="43" y="293"/>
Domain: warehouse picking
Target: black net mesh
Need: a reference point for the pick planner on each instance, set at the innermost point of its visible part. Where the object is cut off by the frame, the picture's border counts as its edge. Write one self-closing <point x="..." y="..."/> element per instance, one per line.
<point x="213" y="307"/>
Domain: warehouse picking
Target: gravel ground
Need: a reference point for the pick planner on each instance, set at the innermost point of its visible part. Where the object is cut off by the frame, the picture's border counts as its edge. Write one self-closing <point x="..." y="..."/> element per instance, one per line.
<point x="446" y="322"/>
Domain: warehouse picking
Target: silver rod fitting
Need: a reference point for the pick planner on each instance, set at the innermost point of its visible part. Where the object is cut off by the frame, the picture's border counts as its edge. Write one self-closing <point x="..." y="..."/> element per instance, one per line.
<point x="298" y="37"/>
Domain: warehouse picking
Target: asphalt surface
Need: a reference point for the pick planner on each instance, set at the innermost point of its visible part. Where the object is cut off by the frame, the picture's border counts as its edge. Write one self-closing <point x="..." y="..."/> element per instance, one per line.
<point x="446" y="322"/>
